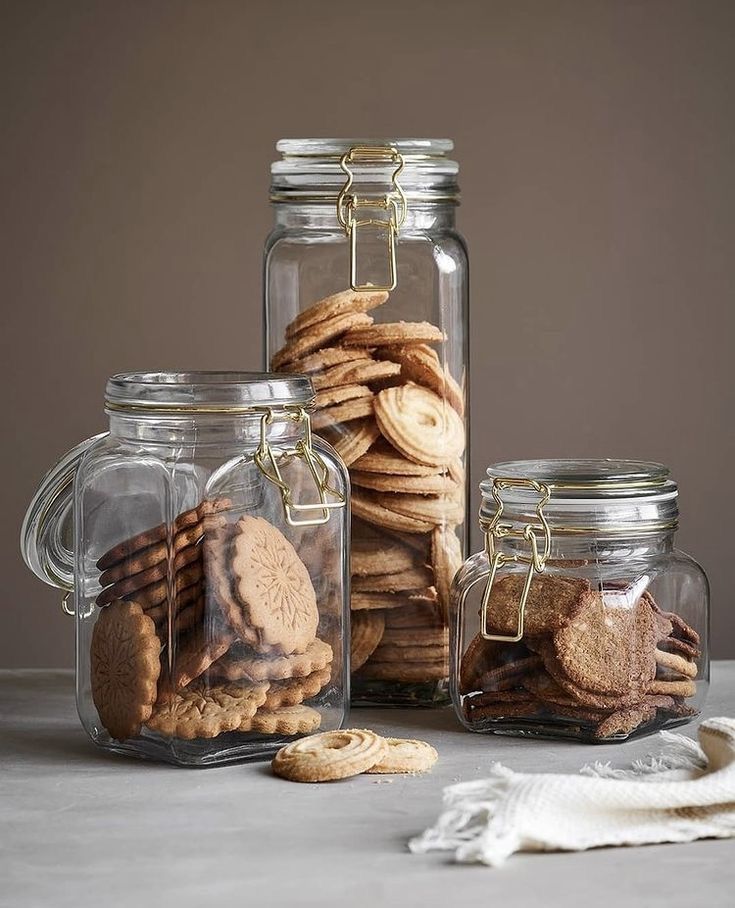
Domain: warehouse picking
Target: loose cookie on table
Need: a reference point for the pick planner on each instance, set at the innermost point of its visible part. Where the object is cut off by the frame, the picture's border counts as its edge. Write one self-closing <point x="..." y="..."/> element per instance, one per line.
<point x="329" y="756"/>
<point x="405" y="755"/>
<point x="124" y="669"/>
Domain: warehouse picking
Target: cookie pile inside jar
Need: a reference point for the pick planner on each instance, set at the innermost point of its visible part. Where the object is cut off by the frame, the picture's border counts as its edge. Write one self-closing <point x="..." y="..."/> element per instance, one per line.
<point x="606" y="661"/>
<point x="395" y="414"/>
<point x="208" y="627"/>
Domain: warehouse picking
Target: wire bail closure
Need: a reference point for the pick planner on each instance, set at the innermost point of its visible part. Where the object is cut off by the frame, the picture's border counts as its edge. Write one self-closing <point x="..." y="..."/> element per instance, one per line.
<point x="267" y="463"/>
<point x="536" y="561"/>
<point x="349" y="205"/>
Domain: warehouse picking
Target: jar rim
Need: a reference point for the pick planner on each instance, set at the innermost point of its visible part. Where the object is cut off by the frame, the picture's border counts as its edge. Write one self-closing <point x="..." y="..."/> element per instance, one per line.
<point x="202" y="391"/>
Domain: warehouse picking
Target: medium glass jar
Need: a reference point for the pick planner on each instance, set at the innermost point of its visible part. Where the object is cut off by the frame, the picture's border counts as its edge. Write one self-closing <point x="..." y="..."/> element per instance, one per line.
<point x="580" y="619"/>
<point x="202" y="545"/>
<point x="366" y="291"/>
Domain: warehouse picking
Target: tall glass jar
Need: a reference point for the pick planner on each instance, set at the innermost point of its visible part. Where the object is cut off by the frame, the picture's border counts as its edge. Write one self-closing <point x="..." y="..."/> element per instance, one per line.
<point x="580" y="618"/>
<point x="366" y="291"/>
<point x="202" y="545"/>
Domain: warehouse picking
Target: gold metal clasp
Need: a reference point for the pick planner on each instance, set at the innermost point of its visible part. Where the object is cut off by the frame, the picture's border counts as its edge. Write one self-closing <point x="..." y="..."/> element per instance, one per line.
<point x="266" y="460"/>
<point x="349" y="204"/>
<point x="536" y="561"/>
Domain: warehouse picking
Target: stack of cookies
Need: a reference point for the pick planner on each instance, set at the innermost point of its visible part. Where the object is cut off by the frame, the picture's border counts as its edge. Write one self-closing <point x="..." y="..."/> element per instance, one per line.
<point x="603" y="663"/>
<point x="245" y="661"/>
<point x="395" y="415"/>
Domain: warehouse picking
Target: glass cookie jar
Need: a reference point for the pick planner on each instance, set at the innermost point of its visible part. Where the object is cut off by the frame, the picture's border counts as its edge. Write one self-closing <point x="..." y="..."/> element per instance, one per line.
<point x="366" y="291"/>
<point x="202" y="546"/>
<point x="580" y="619"/>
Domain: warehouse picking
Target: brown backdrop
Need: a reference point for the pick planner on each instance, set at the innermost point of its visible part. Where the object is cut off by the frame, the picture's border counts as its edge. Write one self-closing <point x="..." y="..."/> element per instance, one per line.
<point x="596" y="142"/>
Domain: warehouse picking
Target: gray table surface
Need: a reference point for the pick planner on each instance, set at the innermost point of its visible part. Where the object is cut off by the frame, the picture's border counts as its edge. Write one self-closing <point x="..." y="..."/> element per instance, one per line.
<point x="82" y="828"/>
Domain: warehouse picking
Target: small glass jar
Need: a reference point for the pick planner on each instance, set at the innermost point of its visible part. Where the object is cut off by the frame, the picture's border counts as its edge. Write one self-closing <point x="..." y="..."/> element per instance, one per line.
<point x="580" y="619"/>
<point x="202" y="546"/>
<point x="366" y="290"/>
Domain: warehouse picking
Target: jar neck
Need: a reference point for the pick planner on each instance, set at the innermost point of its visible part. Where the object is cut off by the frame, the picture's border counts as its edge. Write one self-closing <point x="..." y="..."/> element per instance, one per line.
<point x="594" y="547"/>
<point x="430" y="216"/>
<point x="230" y="432"/>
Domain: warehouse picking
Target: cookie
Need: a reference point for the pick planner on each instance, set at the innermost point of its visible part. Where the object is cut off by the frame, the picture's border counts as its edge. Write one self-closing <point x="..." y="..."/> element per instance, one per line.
<point x="359" y="601"/>
<point x="504" y="677"/>
<point x="607" y="650"/>
<point x="350" y="410"/>
<point x="181" y="617"/>
<point x="366" y="632"/>
<point x="421" y="365"/>
<point x="370" y="506"/>
<point x="405" y="755"/>
<point x="329" y="756"/>
<point x="415" y="615"/>
<point x="411" y="579"/>
<point x="682" y="647"/>
<point x="295" y="690"/>
<point x="359" y="372"/>
<point x="273" y="585"/>
<point x="155" y="594"/>
<point x="436" y="510"/>
<point x="182" y="601"/>
<point x="139" y="579"/>
<point x="383" y="458"/>
<point x="676" y="663"/>
<point x="336" y="304"/>
<point x="404" y="654"/>
<point x="504" y="710"/>
<point x="196" y="651"/>
<point x="124" y="668"/>
<point x="374" y="557"/>
<point x="446" y="560"/>
<point x="353" y="440"/>
<point x="319" y="335"/>
<point x="326" y="358"/>
<point x="415" y="672"/>
<point x="152" y="555"/>
<point x="419" y="424"/>
<point x="552" y="602"/>
<point x="216" y="553"/>
<point x="625" y="721"/>
<point x="242" y="663"/>
<point x="332" y="396"/>
<point x="495" y="697"/>
<point x="188" y="520"/>
<point x="393" y="334"/>
<point x="433" y="484"/>
<point x="286" y="720"/>
<point x="684" y="688"/>
<point x="199" y="711"/>
<point x="416" y="636"/>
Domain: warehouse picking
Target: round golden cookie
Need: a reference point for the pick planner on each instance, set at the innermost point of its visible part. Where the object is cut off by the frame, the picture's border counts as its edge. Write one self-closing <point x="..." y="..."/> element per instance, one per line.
<point x="242" y="663"/>
<point x="332" y="396"/>
<point x="286" y="720"/>
<point x="419" y="424"/>
<point x="380" y="557"/>
<point x="393" y="333"/>
<point x="420" y="364"/>
<point x="436" y="510"/>
<point x="360" y="372"/>
<point x="433" y="484"/>
<point x="326" y="358"/>
<point x="293" y="691"/>
<point x="366" y="631"/>
<point x="383" y="458"/>
<point x="273" y="585"/>
<point x="412" y="579"/>
<point x="446" y="560"/>
<point x="360" y="601"/>
<point x="371" y="506"/>
<point x="199" y="711"/>
<point x="318" y="335"/>
<point x="406" y="755"/>
<point x="329" y="756"/>
<point x="684" y="688"/>
<point x="336" y="304"/>
<point x="676" y="663"/>
<point x="353" y="440"/>
<point x="417" y="672"/>
<point x="349" y="411"/>
<point x="124" y="668"/>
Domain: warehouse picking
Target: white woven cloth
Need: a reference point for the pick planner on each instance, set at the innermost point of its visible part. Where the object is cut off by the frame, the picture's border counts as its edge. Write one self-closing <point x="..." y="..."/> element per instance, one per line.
<point x="684" y="793"/>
